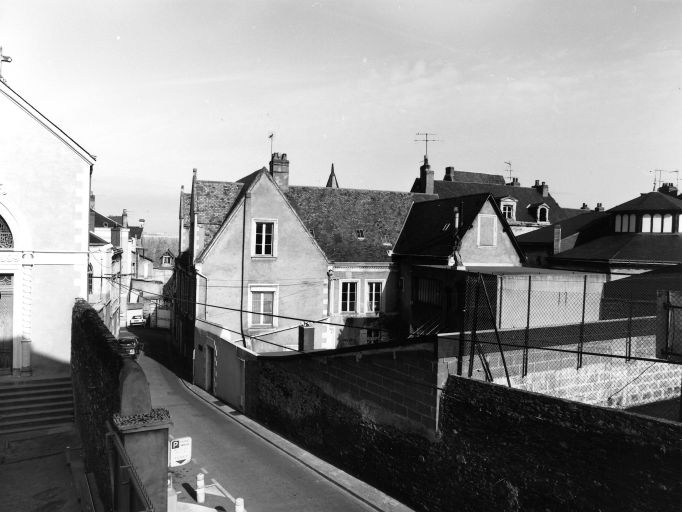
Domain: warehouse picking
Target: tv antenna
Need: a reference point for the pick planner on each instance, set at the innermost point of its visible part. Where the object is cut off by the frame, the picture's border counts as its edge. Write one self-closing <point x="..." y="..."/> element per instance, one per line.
<point x="3" y="58"/>
<point x="658" y="178"/>
<point x="426" y="140"/>
<point x="509" y="170"/>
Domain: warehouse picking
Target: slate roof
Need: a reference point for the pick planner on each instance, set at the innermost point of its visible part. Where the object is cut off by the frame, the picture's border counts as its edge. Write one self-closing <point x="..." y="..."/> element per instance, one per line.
<point x="334" y="215"/>
<point x="430" y="228"/>
<point x="93" y="239"/>
<point x="570" y="226"/>
<point x="650" y="201"/>
<point x="477" y="177"/>
<point x="425" y="233"/>
<point x="185" y="203"/>
<point x="213" y="201"/>
<point x="637" y="247"/>
<point x="101" y="219"/>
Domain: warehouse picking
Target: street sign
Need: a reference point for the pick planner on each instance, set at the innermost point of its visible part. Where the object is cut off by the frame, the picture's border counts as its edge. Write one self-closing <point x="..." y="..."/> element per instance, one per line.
<point x="179" y="451"/>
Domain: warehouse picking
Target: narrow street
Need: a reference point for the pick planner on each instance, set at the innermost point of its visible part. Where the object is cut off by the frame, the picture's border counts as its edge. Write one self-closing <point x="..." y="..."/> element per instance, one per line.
<point x="236" y="462"/>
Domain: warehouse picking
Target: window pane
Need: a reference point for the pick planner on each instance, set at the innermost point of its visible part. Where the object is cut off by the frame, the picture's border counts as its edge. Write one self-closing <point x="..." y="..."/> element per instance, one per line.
<point x="373" y="297"/>
<point x="646" y="223"/>
<point x="626" y="224"/>
<point x="262" y="303"/>
<point x="348" y="296"/>
<point x="633" y="223"/>
<point x="656" y="224"/>
<point x="264" y="236"/>
<point x="617" y="223"/>
<point x="667" y="223"/>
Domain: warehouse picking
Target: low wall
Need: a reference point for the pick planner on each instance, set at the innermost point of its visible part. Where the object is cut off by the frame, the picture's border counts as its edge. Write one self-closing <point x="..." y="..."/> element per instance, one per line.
<point x="496" y="449"/>
<point x="95" y="369"/>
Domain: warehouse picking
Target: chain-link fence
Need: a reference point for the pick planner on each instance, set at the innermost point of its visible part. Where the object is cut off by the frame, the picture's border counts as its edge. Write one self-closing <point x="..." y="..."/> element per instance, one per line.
<point x="590" y="338"/>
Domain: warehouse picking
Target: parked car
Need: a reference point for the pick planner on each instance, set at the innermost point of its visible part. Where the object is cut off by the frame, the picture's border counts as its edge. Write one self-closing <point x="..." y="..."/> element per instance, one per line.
<point x="129" y="345"/>
<point x="137" y="320"/>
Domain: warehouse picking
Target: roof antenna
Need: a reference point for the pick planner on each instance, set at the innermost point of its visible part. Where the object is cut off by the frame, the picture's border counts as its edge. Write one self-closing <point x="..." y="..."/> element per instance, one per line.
<point x="660" y="172"/>
<point x="509" y="170"/>
<point x="271" y="137"/>
<point x="3" y="58"/>
<point x="426" y="140"/>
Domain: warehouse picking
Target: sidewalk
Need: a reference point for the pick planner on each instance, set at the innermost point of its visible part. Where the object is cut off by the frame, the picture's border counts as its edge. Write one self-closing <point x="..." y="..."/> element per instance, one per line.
<point x="35" y="473"/>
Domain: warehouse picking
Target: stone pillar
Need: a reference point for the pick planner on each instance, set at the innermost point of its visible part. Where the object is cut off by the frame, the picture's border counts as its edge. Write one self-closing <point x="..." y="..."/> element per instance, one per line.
<point x="27" y="313"/>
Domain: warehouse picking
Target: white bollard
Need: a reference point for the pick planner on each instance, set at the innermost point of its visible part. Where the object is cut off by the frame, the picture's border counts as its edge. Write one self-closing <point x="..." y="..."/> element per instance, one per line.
<point x="239" y="505"/>
<point x="201" y="492"/>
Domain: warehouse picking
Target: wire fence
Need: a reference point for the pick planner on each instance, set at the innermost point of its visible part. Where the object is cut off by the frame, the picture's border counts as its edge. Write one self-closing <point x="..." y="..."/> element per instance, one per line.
<point x="584" y="337"/>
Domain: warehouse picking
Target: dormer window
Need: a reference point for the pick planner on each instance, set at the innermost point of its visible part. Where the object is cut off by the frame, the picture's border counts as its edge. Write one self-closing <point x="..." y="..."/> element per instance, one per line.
<point x="543" y="214"/>
<point x="508" y="207"/>
<point x="360" y="234"/>
<point x="166" y="260"/>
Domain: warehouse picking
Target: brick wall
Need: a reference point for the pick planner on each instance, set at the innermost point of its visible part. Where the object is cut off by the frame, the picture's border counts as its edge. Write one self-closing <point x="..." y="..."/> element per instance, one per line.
<point x="95" y="371"/>
<point x="496" y="448"/>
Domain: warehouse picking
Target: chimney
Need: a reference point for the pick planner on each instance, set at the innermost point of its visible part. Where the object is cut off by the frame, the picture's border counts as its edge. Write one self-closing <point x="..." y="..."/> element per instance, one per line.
<point x="141" y="223"/>
<point x="124" y="218"/>
<point x="599" y="208"/>
<point x="557" y="239"/>
<point x="668" y="189"/>
<point x="514" y="183"/>
<point x="449" y="174"/>
<point x="92" y="200"/>
<point x="426" y="177"/>
<point x="542" y="189"/>
<point x="279" y="170"/>
<point x="584" y="207"/>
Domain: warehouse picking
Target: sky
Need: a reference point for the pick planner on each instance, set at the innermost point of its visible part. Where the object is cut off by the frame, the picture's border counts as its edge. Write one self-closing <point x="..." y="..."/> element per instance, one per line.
<point x="584" y="95"/>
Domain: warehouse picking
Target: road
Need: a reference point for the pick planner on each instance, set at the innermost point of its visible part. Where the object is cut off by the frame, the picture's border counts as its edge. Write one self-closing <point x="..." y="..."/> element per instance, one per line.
<point x="240" y="463"/>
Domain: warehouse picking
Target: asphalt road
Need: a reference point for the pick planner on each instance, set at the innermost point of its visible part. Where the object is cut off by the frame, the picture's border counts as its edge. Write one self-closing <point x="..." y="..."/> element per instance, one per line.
<point x="236" y="462"/>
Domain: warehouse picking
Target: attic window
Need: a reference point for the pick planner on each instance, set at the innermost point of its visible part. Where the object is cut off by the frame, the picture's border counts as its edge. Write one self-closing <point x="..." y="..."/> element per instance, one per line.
<point x="312" y="232"/>
<point x="543" y="214"/>
<point x="360" y="234"/>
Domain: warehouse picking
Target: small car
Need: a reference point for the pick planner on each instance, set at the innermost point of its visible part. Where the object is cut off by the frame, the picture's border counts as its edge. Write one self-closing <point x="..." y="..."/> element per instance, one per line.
<point x="137" y="320"/>
<point x="129" y="346"/>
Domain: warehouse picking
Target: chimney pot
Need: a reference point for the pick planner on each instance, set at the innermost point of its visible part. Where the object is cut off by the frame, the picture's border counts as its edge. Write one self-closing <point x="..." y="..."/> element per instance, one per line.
<point x="537" y="183"/>
<point x="279" y="170"/>
<point x="449" y="174"/>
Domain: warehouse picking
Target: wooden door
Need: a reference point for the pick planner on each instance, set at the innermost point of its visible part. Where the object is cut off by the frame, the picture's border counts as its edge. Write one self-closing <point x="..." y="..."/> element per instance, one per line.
<point x="6" y="330"/>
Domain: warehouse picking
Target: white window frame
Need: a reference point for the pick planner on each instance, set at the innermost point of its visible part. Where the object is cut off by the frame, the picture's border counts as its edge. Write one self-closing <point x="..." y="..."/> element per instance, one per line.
<point x="358" y="299"/>
<point x="478" y="229"/>
<point x="254" y="223"/>
<point x="508" y="202"/>
<point x="165" y="259"/>
<point x="381" y="295"/>
<point x="546" y="208"/>
<point x="267" y="288"/>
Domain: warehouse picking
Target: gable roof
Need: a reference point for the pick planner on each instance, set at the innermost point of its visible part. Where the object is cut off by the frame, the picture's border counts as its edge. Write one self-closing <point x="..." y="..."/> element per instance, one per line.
<point x="334" y="215"/>
<point x="93" y="239"/>
<point x="55" y="130"/>
<point x="475" y="177"/>
<point x="430" y="228"/>
<point x="101" y="220"/>
<point x="650" y="201"/>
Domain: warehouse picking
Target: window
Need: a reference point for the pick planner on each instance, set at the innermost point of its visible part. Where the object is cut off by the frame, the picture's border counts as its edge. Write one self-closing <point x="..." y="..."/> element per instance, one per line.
<point x="618" y="224"/>
<point x="667" y="223"/>
<point x="262" y="308"/>
<point x="6" y="239"/>
<point x="373" y="335"/>
<point x="646" y="223"/>
<point x="360" y="234"/>
<point x="633" y="223"/>
<point x="374" y="289"/>
<point x="543" y="214"/>
<point x="626" y="225"/>
<point x="508" y="211"/>
<point x="165" y="260"/>
<point x="679" y="223"/>
<point x="656" y="223"/>
<point x="487" y="230"/>
<point x="89" y="278"/>
<point x="264" y="238"/>
<point x="349" y="296"/>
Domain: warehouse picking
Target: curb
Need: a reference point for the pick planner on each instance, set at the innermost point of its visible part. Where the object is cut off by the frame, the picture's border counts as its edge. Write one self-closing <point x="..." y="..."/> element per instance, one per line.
<point x="369" y="495"/>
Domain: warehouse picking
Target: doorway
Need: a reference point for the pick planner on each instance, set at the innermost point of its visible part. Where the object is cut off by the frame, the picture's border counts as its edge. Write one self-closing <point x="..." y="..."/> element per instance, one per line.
<point x="6" y="325"/>
<point x="210" y="369"/>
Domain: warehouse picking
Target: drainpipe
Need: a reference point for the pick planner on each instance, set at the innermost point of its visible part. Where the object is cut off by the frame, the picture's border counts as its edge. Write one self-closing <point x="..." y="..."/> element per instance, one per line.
<point x="247" y="196"/>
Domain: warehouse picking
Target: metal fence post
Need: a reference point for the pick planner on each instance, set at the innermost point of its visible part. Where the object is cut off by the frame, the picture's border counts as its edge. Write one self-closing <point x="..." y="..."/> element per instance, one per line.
<point x="581" y="339"/>
<point x="628" y="340"/>
<point x="526" y="341"/>
<point x="474" y="328"/>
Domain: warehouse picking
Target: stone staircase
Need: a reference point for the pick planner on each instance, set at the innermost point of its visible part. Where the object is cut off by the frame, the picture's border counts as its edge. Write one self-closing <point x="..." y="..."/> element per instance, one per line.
<point x="30" y="404"/>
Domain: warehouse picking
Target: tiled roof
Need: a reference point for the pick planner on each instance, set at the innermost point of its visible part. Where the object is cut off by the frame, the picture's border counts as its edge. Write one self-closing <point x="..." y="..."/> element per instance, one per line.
<point x="430" y="228"/>
<point x="527" y="197"/>
<point x="651" y="201"/>
<point x="640" y="247"/>
<point x="157" y="245"/>
<point x="335" y="215"/>
<point x="570" y="226"/>
<point x="135" y="231"/>
<point x="185" y="203"/>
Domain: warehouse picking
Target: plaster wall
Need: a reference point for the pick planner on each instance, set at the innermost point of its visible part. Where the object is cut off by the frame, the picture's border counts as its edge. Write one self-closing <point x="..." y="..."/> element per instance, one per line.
<point x="502" y="253"/>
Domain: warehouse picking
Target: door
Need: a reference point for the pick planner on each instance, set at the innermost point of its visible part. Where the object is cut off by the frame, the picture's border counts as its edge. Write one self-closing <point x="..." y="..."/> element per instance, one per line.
<point x="210" y="368"/>
<point x="6" y="314"/>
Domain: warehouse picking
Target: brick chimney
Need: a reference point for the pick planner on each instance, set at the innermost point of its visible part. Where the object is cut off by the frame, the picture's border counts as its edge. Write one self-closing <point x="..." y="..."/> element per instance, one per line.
<point x="124" y="218"/>
<point x="514" y="183"/>
<point x="449" y="174"/>
<point x="584" y="207"/>
<point x="599" y="208"/>
<point x="668" y="189"/>
<point x="426" y="177"/>
<point x="279" y="170"/>
<point x="542" y="189"/>
<point x="141" y="223"/>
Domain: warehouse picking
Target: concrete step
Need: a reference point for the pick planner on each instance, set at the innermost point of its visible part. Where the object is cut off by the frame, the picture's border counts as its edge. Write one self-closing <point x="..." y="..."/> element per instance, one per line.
<point x="39" y="407"/>
<point x="30" y="381"/>
<point x="20" y="425"/>
<point x="33" y="385"/>
<point x="35" y="399"/>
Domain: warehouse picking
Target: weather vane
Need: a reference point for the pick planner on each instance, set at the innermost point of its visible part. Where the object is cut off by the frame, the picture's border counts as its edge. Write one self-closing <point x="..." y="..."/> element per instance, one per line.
<point x="3" y="58"/>
<point x="426" y="140"/>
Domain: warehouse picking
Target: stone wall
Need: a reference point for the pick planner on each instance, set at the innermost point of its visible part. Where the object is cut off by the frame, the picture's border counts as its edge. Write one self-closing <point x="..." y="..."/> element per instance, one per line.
<point x="95" y="368"/>
<point x="496" y="448"/>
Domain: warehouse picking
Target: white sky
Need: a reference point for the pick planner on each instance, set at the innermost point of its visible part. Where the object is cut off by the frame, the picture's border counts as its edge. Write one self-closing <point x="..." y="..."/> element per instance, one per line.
<point x="585" y="95"/>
